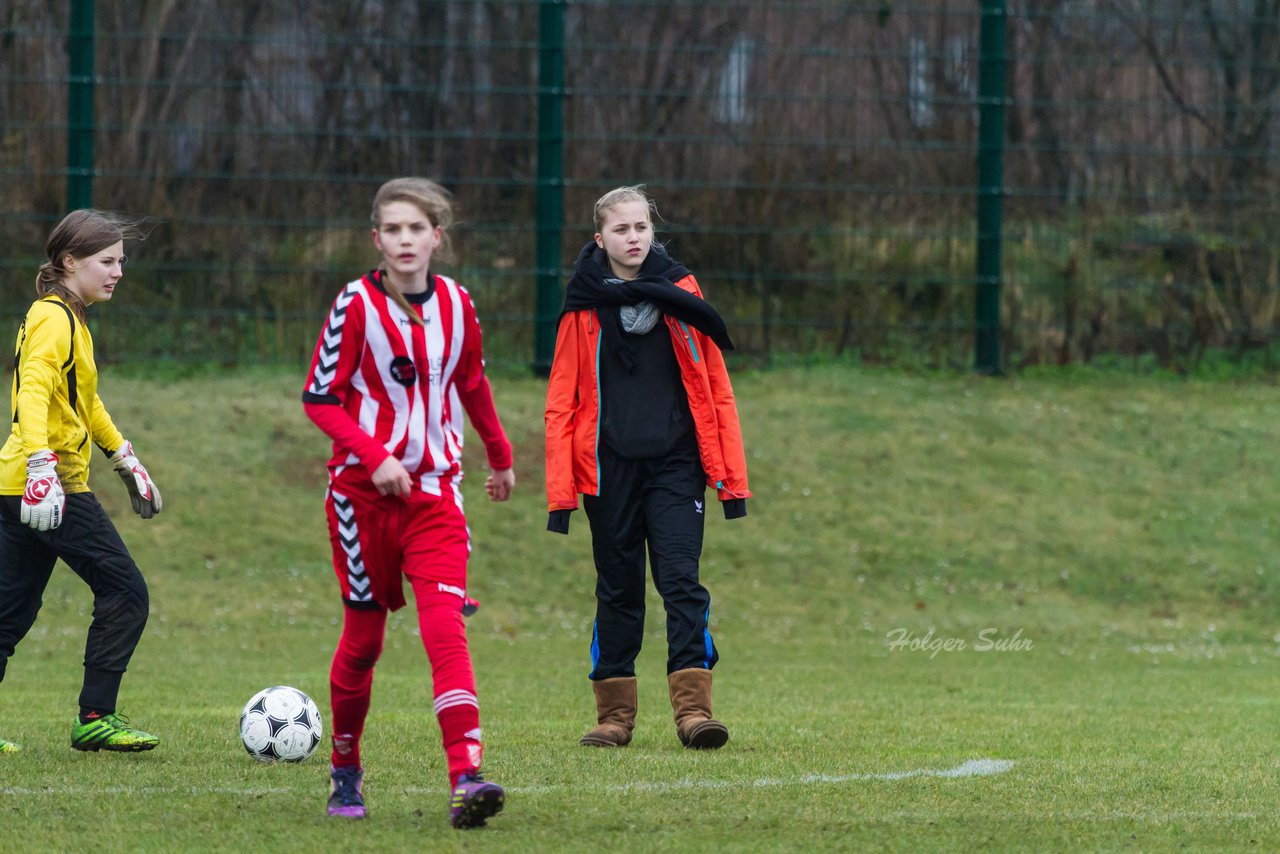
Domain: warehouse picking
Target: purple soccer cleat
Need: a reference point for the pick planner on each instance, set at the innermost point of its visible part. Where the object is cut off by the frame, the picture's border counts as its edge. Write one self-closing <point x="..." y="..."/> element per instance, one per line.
<point x="346" y="800"/>
<point x="473" y="801"/>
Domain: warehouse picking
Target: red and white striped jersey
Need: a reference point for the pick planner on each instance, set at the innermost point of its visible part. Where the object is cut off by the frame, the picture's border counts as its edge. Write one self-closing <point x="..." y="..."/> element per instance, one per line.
<point x="381" y="384"/>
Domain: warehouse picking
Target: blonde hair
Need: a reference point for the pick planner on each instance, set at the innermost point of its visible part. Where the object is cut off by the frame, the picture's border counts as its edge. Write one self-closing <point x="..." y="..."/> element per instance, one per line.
<point x="80" y="234"/>
<point x="434" y="201"/>
<point x="621" y="195"/>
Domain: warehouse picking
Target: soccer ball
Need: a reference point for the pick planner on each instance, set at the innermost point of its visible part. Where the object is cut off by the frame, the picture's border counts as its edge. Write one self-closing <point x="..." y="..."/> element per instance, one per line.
<point x="280" y="723"/>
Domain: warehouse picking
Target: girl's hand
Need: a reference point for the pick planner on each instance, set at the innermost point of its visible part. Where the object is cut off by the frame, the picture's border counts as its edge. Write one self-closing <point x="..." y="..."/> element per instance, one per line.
<point x="390" y="478"/>
<point x="499" y="484"/>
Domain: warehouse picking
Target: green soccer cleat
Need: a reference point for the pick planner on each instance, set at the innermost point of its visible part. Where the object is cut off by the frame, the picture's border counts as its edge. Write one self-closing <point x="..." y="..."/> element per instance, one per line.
<point x="9" y="747"/>
<point x="110" y="732"/>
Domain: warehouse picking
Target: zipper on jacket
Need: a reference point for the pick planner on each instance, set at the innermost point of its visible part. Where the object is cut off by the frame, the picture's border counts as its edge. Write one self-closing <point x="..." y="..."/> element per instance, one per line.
<point x="599" y="415"/>
<point x="688" y="337"/>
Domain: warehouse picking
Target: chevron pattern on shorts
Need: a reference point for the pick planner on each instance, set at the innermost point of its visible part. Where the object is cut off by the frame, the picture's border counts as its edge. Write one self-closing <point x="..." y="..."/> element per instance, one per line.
<point x="349" y="536"/>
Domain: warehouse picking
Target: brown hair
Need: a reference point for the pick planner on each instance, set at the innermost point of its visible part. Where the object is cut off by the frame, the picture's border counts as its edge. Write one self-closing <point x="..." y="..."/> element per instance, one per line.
<point x="80" y="234"/>
<point x="434" y="201"/>
<point x="620" y="195"/>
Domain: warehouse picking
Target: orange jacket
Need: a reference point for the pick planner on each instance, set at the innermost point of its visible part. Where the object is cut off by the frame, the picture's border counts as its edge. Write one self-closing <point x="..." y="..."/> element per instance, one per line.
<point x="573" y="409"/>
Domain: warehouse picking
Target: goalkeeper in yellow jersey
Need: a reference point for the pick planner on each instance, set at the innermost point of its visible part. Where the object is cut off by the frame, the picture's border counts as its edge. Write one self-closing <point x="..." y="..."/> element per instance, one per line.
<point x="46" y="509"/>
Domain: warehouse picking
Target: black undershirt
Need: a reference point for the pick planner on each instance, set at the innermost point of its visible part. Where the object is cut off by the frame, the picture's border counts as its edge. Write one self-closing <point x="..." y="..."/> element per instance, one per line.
<point x="644" y="413"/>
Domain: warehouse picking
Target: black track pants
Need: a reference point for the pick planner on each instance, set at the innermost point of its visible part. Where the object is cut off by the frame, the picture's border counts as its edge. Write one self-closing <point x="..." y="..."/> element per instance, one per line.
<point x="88" y="543"/>
<point x="660" y="502"/>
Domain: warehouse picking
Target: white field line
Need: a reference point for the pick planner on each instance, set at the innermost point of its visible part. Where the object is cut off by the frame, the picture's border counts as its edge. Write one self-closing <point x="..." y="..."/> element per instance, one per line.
<point x="971" y="768"/>
<point x="194" y="791"/>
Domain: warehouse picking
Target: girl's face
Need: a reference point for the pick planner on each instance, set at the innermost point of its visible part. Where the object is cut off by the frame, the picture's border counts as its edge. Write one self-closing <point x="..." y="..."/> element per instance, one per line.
<point x="406" y="238"/>
<point x="626" y="235"/>
<point x="93" y="278"/>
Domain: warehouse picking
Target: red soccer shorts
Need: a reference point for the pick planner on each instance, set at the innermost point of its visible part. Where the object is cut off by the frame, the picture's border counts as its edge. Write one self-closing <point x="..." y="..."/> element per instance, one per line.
<point x="380" y="540"/>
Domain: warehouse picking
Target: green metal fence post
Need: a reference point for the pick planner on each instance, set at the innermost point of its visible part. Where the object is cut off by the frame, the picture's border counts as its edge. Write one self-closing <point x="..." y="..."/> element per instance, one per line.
<point x="550" y="186"/>
<point x="991" y="146"/>
<point x="80" y="85"/>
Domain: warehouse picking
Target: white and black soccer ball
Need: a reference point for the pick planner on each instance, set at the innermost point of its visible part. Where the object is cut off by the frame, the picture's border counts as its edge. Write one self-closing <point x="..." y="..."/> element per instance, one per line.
<point x="280" y="723"/>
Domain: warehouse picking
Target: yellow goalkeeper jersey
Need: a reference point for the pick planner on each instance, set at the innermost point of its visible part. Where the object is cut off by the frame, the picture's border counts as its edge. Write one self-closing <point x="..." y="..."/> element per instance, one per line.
<point x="54" y="400"/>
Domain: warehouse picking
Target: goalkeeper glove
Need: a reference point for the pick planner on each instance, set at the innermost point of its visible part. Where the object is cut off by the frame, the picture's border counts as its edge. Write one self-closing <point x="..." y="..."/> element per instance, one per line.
<point x="43" y="502"/>
<point x="142" y="489"/>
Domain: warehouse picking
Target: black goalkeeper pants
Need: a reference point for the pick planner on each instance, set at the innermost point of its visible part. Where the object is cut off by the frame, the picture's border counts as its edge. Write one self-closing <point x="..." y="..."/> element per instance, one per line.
<point x="87" y="542"/>
<point x="660" y="503"/>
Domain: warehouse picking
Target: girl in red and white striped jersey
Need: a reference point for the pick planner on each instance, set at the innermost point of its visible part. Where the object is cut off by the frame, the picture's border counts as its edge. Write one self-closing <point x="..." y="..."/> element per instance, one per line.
<point x="398" y="362"/>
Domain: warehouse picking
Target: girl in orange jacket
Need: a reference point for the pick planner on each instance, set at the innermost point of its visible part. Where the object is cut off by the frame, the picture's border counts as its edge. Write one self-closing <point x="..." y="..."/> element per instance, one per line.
<point x="640" y="420"/>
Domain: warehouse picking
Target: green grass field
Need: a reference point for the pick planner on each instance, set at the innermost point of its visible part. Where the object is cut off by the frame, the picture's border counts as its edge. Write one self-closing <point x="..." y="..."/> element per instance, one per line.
<point x="1114" y="532"/>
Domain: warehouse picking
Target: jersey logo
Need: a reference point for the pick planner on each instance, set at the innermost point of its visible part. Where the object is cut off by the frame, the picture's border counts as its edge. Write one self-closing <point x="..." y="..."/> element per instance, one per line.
<point x="403" y="371"/>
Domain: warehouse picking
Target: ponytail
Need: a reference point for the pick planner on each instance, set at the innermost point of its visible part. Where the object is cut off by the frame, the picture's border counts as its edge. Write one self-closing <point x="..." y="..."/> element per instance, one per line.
<point x="49" y="282"/>
<point x="394" y="293"/>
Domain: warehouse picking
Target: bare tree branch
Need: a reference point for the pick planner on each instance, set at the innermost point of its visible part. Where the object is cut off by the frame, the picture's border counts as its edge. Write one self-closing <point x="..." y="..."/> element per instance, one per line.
<point x="1143" y="28"/>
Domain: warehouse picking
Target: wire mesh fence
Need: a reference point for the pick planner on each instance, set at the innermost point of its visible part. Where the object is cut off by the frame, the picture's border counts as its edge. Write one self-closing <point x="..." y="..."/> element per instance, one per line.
<point x="814" y="163"/>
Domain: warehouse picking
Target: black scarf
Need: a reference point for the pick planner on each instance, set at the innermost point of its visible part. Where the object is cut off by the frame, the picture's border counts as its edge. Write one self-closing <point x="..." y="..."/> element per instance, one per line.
<point x="593" y="285"/>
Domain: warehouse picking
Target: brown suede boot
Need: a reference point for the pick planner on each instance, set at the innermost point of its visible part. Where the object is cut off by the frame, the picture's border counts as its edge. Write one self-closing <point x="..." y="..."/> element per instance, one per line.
<point x="691" y="700"/>
<point x="615" y="712"/>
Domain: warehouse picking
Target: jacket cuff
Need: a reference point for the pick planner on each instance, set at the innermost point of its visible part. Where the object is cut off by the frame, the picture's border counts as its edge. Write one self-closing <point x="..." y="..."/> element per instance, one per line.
<point x="558" y="521"/>
<point x="735" y="508"/>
